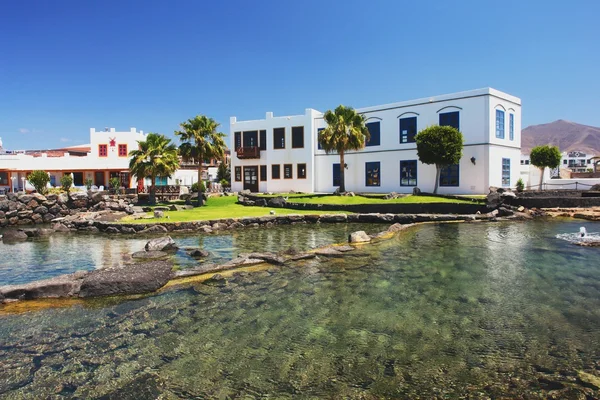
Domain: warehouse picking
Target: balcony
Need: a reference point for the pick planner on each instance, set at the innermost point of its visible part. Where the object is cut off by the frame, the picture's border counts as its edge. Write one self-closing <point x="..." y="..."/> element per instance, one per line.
<point x="246" y="153"/>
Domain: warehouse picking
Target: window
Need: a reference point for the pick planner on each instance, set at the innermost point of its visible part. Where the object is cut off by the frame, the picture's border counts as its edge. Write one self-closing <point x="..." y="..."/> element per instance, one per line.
<point x="123" y="150"/>
<point x="77" y="178"/>
<point x="238" y="174"/>
<point x="374" y="132"/>
<point x="238" y="140"/>
<point x="250" y="138"/>
<point x="263" y="140"/>
<point x="565" y="162"/>
<point x="336" y="174"/>
<point x="408" y="173"/>
<point x="301" y="173"/>
<point x="279" y="138"/>
<point x="511" y="126"/>
<point x="297" y="137"/>
<point x="3" y="178"/>
<point x="319" y="143"/>
<point x="526" y="162"/>
<point x="506" y="172"/>
<point x="102" y="150"/>
<point x="449" y="176"/>
<point x="372" y="175"/>
<point x="161" y="181"/>
<point x="500" y="124"/>
<point x="275" y="171"/>
<point x="287" y="171"/>
<point x="408" y="129"/>
<point x="263" y="173"/>
<point x="450" y="119"/>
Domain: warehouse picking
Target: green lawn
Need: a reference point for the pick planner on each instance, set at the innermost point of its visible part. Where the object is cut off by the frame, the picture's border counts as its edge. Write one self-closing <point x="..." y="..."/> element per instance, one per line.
<point x="373" y="200"/>
<point x="222" y="207"/>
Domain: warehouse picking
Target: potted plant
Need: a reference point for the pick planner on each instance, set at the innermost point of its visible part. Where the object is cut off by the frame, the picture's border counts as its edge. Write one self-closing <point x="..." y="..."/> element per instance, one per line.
<point x="114" y="183"/>
<point x="520" y="185"/>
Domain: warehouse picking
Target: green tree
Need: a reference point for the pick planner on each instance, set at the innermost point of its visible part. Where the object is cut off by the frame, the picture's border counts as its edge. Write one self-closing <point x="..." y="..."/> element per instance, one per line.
<point x="545" y="157"/>
<point x="201" y="141"/>
<point x="224" y="174"/>
<point x="155" y="157"/>
<point x="39" y="179"/>
<point x="345" y="131"/>
<point x="66" y="181"/>
<point x="439" y="145"/>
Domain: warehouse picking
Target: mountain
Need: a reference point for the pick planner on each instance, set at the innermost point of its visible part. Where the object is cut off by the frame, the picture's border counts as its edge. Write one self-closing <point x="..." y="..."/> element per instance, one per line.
<point x="568" y="136"/>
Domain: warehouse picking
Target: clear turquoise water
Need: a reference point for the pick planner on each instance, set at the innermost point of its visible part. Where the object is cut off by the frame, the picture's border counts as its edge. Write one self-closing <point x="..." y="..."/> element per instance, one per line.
<point x="59" y="254"/>
<point x="487" y="310"/>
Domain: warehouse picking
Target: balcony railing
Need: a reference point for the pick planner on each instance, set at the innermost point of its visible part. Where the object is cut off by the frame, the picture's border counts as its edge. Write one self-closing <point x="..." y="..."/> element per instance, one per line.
<point x="248" y="152"/>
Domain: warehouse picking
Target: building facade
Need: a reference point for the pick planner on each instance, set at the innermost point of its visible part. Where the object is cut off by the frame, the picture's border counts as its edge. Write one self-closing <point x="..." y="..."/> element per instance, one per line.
<point x="279" y="154"/>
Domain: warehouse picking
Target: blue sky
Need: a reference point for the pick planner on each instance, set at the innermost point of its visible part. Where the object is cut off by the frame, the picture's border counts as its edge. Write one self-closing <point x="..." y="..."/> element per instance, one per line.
<point x="66" y="66"/>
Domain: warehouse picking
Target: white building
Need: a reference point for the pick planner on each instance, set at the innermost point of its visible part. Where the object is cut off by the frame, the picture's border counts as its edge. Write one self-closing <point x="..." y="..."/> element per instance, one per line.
<point x="279" y="154"/>
<point x="105" y="157"/>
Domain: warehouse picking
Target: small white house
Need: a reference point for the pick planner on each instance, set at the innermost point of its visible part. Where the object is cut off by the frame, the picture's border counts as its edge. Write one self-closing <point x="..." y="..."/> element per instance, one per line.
<point x="279" y="154"/>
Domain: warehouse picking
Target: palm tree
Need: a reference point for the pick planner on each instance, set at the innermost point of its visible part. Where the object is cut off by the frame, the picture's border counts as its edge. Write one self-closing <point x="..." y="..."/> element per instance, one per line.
<point x="346" y="130"/>
<point x="201" y="140"/>
<point x="155" y="157"/>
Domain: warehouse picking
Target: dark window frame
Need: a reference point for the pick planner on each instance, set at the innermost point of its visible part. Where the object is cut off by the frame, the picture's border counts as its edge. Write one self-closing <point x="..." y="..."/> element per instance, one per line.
<point x="290" y="168"/>
<point x="275" y="171"/>
<point x="505" y="172"/>
<point x="446" y="176"/>
<point x="375" y="136"/>
<point x="447" y="116"/>
<point x="511" y="126"/>
<point x="410" y="136"/>
<point x="263" y="173"/>
<point x="296" y="136"/>
<point x="298" y="169"/>
<point x="238" y="174"/>
<point x="262" y="139"/>
<point x="237" y="140"/>
<point x="407" y="164"/>
<point x="370" y="170"/>
<point x="336" y="171"/>
<point x="500" y="125"/>
<point x="319" y="147"/>
<point x="278" y="138"/>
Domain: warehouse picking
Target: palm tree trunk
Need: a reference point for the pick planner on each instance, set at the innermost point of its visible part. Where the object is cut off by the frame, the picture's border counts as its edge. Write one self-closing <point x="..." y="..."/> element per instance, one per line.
<point x="541" y="177"/>
<point x="153" y="190"/>
<point x="199" y="180"/>
<point x="342" y="174"/>
<point x="438" y="170"/>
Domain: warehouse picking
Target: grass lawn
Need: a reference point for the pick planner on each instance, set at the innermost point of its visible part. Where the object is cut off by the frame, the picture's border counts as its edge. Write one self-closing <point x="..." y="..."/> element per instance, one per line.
<point x="374" y="200"/>
<point x="222" y="207"/>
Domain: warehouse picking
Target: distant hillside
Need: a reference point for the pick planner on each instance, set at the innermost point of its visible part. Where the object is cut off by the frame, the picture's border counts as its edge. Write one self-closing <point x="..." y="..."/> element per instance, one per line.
<point x="568" y="136"/>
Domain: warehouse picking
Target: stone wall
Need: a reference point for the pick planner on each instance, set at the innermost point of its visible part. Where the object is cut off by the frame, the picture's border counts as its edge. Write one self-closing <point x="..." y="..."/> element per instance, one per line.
<point x="554" y="202"/>
<point x="26" y="209"/>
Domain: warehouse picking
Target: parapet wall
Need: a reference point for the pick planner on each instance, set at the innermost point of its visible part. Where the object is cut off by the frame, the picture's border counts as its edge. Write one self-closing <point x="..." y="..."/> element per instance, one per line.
<point x="27" y="209"/>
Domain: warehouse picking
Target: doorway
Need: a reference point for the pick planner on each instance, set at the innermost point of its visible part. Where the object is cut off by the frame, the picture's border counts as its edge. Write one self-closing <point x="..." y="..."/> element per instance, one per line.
<point x="251" y="179"/>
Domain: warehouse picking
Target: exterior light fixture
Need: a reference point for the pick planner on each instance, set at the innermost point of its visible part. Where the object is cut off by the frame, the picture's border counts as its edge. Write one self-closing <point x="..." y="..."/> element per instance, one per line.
<point x="473" y="160"/>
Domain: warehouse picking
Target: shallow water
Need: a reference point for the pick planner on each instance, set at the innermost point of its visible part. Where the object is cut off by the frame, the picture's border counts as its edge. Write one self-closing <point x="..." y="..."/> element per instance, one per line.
<point x="59" y="254"/>
<point x="440" y="311"/>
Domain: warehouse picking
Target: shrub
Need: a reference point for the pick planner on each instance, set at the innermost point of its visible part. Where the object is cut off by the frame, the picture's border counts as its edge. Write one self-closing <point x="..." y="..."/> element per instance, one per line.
<point x="195" y="187"/>
<point x="66" y="182"/>
<point x="39" y="179"/>
<point x="88" y="184"/>
<point x="114" y="182"/>
<point x="520" y="185"/>
<point x="225" y="183"/>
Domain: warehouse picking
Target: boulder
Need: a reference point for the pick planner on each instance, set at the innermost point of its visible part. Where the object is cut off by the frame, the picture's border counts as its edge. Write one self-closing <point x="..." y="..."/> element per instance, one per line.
<point x="134" y="278"/>
<point x="271" y="258"/>
<point x="245" y="192"/>
<point x="505" y="212"/>
<point x="112" y="229"/>
<point x="390" y="196"/>
<point x="329" y="252"/>
<point x="161" y="244"/>
<point x="40" y="198"/>
<point x="40" y="210"/>
<point x="26" y="198"/>
<point x="149" y="254"/>
<point x="398" y="227"/>
<point x="494" y="199"/>
<point x="359" y="237"/>
<point x="219" y="226"/>
<point x="261" y="202"/>
<point x="59" y="227"/>
<point x="159" y="214"/>
<point x="595" y="188"/>
<point x="62" y="198"/>
<point x="13" y="235"/>
<point x="276" y="202"/>
<point x="416" y="191"/>
<point x="60" y="286"/>
<point x="154" y="229"/>
<point x="198" y="253"/>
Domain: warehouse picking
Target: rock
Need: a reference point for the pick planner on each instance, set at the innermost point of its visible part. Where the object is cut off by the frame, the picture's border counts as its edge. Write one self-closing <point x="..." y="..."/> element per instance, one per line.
<point x="127" y="229"/>
<point x="329" y="252"/>
<point x="145" y="255"/>
<point x="595" y="188"/>
<point x="198" y="253"/>
<point x="276" y="202"/>
<point x="161" y="244"/>
<point x="272" y="212"/>
<point x="333" y="218"/>
<point x="416" y="191"/>
<point x="40" y="198"/>
<point x="588" y="380"/>
<point x="134" y="278"/>
<point x="112" y="229"/>
<point x="302" y="256"/>
<point x="219" y="226"/>
<point x="504" y="212"/>
<point x="344" y="249"/>
<point x="59" y="227"/>
<point x="62" y="198"/>
<point x="246" y="192"/>
<point x="398" y="227"/>
<point x="33" y="204"/>
<point x="13" y="235"/>
<point x="155" y="229"/>
<point x="159" y="214"/>
<point x="261" y="202"/>
<point x="359" y="237"/>
<point x="390" y="196"/>
<point x="494" y="199"/>
<point x="26" y="198"/>
<point x="60" y="286"/>
<point x="508" y="194"/>
<point x="216" y="280"/>
<point x="268" y="257"/>
<point x="205" y="229"/>
<point x="40" y="210"/>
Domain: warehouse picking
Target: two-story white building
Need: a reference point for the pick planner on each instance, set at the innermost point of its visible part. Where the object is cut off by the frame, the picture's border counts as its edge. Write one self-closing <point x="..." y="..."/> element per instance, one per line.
<point x="279" y="154"/>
